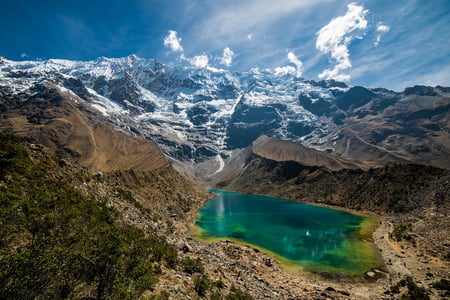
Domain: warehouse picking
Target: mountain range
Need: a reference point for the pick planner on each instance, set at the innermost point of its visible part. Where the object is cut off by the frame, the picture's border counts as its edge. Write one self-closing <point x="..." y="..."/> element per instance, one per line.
<point x="202" y="115"/>
<point x="124" y="131"/>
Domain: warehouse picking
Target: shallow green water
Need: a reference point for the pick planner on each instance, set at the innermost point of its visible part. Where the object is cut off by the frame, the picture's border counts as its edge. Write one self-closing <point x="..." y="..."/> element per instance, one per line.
<point x="313" y="237"/>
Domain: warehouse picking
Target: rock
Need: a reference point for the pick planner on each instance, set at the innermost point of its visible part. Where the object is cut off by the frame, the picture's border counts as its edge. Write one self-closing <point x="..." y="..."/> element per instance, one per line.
<point x="268" y="261"/>
<point x="186" y="248"/>
<point x="370" y="274"/>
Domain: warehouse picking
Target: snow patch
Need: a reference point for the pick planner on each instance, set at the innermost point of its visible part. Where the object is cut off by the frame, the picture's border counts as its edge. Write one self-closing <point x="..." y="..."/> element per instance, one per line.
<point x="219" y="159"/>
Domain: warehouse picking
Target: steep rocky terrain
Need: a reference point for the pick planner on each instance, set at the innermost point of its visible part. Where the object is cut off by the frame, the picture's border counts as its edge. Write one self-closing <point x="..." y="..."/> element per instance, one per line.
<point x="159" y="202"/>
<point x="412" y="200"/>
<point x="61" y="123"/>
<point x="200" y="115"/>
<point x="94" y="124"/>
<point x="277" y="167"/>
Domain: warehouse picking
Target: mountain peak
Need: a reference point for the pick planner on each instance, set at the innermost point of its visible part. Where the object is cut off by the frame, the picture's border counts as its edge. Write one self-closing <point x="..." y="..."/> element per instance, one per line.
<point x="197" y="114"/>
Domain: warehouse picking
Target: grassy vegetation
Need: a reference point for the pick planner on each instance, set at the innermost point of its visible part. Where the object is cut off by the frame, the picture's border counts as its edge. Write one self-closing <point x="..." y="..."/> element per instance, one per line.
<point x="55" y="243"/>
<point x="192" y="266"/>
<point x="444" y="286"/>
<point x="413" y="292"/>
<point x="237" y="294"/>
<point x="401" y="231"/>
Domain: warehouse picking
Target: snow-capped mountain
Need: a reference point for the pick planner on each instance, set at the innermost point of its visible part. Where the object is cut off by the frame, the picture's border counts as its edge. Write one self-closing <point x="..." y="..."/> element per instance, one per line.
<point x="195" y="114"/>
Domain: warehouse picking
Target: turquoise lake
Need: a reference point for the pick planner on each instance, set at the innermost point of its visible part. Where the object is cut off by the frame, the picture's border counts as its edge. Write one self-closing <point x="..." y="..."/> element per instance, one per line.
<point x="312" y="237"/>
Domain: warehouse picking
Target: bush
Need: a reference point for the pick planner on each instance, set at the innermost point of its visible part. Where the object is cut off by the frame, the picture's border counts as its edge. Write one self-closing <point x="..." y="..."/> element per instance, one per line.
<point x="220" y="284"/>
<point x="414" y="292"/>
<point x="55" y="243"/>
<point x="442" y="284"/>
<point x="201" y="285"/>
<point x="192" y="266"/>
<point x="238" y="294"/>
<point x="216" y="296"/>
<point x="400" y="232"/>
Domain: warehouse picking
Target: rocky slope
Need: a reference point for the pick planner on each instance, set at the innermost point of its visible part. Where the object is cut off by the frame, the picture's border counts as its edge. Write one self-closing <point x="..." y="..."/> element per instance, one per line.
<point x="97" y="119"/>
<point x="412" y="200"/>
<point x="65" y="126"/>
<point x="202" y="115"/>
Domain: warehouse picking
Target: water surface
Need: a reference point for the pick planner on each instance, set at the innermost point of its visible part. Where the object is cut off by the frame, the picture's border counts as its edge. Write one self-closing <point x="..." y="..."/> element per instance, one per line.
<point x="313" y="237"/>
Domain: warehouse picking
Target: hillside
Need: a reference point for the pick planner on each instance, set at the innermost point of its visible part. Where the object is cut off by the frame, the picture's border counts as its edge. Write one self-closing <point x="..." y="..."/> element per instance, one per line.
<point x="83" y="144"/>
<point x="412" y="199"/>
<point x="202" y="116"/>
<point x="63" y="240"/>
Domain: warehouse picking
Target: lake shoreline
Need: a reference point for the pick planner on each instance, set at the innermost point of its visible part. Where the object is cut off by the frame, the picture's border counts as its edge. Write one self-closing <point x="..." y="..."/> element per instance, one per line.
<point x="362" y="238"/>
<point x="241" y="264"/>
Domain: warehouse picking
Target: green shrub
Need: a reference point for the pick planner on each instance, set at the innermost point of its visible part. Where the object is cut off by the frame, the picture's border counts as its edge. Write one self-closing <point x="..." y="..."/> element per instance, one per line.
<point x="442" y="284"/>
<point x="216" y="296"/>
<point x="414" y="292"/>
<point x="192" y="266"/>
<point x="56" y="243"/>
<point x="238" y="294"/>
<point x="220" y="284"/>
<point x="401" y="232"/>
<point x="201" y="285"/>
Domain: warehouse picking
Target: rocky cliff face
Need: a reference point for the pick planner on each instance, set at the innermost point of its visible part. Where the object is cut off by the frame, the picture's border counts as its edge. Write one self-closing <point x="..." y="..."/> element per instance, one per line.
<point x="199" y="115"/>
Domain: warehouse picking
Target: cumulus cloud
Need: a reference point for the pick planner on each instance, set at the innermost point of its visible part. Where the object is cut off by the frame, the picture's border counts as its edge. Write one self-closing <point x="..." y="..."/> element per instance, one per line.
<point x="381" y="28"/>
<point x="334" y="38"/>
<point x="199" y="61"/>
<point x="297" y="70"/>
<point x="297" y="62"/>
<point x="285" y="70"/>
<point x="227" y="57"/>
<point x="173" y="42"/>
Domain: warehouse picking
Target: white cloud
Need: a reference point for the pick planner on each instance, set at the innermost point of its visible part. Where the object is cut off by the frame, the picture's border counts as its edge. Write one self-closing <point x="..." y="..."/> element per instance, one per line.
<point x="285" y="70"/>
<point x="199" y="61"/>
<point x="173" y="42"/>
<point x="227" y="57"/>
<point x="250" y="37"/>
<point x="297" y="70"/>
<point x="381" y="28"/>
<point x="297" y="62"/>
<point x="24" y="55"/>
<point x="334" y="38"/>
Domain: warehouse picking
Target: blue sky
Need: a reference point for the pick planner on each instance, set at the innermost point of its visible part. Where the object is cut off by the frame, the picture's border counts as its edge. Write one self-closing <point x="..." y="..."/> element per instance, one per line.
<point x="375" y="43"/>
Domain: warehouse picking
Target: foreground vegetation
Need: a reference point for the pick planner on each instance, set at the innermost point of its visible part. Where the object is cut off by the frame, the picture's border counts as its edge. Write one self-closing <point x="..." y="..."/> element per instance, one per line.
<point x="57" y="244"/>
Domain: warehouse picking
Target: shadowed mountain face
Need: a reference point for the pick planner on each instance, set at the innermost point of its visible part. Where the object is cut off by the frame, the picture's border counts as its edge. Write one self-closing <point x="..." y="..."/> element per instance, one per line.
<point x="256" y="132"/>
<point x="283" y="169"/>
<point x="203" y="116"/>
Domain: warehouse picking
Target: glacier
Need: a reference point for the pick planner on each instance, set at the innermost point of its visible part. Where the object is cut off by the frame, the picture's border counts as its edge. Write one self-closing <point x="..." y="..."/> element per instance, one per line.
<point x="197" y="114"/>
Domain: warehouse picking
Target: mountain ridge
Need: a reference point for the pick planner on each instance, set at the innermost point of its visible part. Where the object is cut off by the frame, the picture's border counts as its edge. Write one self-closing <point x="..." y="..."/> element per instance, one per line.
<point x="250" y="135"/>
<point x="200" y="115"/>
